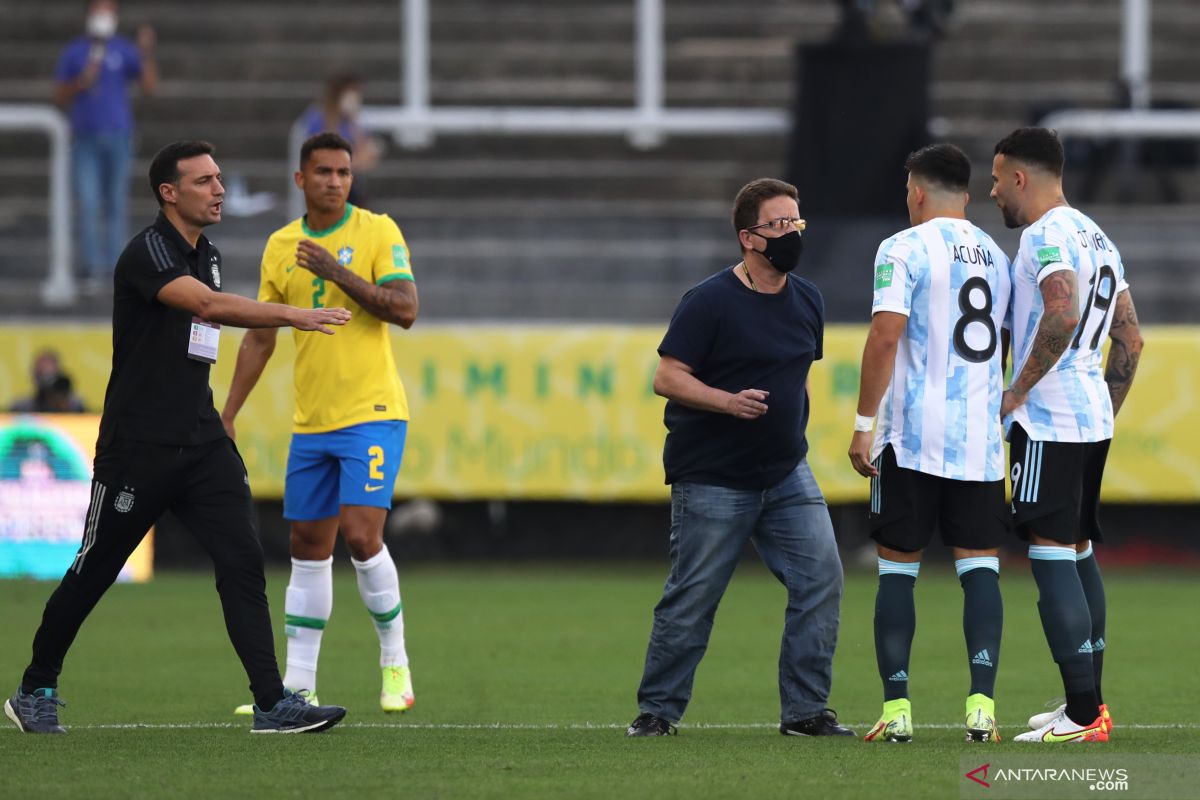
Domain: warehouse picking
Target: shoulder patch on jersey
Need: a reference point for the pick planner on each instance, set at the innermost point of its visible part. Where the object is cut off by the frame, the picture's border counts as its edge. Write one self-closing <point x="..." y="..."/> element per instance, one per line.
<point x="1048" y="255"/>
<point x="399" y="256"/>
<point x="883" y="275"/>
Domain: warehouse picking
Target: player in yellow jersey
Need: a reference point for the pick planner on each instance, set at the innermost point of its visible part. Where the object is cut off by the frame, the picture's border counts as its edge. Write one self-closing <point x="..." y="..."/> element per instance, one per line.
<point x="351" y="412"/>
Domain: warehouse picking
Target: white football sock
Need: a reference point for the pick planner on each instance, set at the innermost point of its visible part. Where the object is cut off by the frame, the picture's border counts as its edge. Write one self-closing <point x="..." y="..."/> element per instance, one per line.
<point x="306" y="611"/>
<point x="379" y="587"/>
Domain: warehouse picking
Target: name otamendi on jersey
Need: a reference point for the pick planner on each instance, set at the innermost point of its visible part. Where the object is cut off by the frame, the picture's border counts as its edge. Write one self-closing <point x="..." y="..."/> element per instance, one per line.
<point x="1071" y="402"/>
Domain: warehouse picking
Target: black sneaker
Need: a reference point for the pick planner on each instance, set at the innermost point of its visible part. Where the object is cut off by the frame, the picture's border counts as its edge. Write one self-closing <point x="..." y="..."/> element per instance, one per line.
<point x="293" y="714"/>
<point x="35" y="712"/>
<point x="823" y="724"/>
<point x="647" y="724"/>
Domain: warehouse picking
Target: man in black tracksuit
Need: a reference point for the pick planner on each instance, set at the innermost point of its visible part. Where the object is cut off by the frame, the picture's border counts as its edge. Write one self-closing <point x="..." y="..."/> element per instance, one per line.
<point x="162" y="446"/>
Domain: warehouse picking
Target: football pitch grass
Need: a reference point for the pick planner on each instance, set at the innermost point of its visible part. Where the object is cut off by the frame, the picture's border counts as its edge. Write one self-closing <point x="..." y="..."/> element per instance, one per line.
<point x="525" y="679"/>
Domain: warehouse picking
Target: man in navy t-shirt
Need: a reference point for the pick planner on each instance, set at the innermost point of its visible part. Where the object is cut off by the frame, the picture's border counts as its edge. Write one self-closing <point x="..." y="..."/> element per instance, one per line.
<point x="92" y="81"/>
<point x="734" y="369"/>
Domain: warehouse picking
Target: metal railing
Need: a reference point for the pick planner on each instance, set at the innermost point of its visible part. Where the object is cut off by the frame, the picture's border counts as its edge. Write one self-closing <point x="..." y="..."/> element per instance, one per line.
<point x="59" y="287"/>
<point x="1137" y="121"/>
<point x="415" y="122"/>
<point x="1121" y="123"/>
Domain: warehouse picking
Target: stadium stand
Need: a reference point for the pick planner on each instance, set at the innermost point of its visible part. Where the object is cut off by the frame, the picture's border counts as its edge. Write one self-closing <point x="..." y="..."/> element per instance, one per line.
<point x="585" y="228"/>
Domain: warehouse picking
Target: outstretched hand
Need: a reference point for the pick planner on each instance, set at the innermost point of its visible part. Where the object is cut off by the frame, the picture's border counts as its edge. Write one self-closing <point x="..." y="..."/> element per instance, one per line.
<point x="318" y="319"/>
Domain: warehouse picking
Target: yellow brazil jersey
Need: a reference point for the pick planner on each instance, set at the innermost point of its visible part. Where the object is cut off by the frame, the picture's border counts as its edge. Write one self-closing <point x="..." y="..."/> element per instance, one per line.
<point x="350" y="377"/>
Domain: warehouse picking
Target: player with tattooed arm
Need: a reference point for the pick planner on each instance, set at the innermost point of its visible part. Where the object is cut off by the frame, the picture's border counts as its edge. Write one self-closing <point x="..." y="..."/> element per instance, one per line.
<point x="1069" y="291"/>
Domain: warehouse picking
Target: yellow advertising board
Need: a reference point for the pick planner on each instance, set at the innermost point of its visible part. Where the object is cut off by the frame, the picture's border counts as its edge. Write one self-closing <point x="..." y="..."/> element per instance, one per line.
<point x="562" y="411"/>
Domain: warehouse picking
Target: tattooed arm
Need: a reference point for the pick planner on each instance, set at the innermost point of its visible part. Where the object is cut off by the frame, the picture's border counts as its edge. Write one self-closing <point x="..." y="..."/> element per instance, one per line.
<point x="1125" y="351"/>
<point x="1060" y="315"/>
<point x="395" y="301"/>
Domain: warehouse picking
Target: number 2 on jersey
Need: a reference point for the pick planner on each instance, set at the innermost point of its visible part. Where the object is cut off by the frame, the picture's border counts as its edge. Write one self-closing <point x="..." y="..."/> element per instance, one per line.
<point x="376" y="454"/>
<point x="318" y="292"/>
<point x="971" y="313"/>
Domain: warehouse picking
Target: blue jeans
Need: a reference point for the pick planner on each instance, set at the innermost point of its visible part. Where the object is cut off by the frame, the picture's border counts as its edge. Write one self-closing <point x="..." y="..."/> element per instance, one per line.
<point x="790" y="527"/>
<point x="101" y="174"/>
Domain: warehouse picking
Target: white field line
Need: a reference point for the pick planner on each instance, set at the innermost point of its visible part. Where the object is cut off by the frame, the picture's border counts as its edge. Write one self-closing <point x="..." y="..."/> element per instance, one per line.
<point x="550" y="726"/>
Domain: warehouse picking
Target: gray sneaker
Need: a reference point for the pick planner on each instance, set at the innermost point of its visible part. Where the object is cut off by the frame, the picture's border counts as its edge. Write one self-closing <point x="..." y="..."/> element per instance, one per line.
<point x="293" y="714"/>
<point x="36" y="711"/>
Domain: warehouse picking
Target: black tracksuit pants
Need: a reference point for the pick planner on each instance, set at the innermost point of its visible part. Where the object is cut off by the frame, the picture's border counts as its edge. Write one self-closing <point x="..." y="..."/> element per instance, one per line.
<point x="207" y="489"/>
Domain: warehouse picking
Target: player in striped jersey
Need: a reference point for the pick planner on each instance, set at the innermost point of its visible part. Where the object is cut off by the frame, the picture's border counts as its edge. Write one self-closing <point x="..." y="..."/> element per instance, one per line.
<point x="1069" y="292"/>
<point x="932" y="371"/>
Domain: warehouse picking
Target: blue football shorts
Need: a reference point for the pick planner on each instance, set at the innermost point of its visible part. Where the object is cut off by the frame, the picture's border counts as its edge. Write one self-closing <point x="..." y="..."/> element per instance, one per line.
<point x="354" y="466"/>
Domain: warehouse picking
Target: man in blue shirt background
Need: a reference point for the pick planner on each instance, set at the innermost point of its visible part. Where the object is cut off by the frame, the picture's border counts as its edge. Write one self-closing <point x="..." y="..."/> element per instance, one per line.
<point x="337" y="112"/>
<point x="92" y="81"/>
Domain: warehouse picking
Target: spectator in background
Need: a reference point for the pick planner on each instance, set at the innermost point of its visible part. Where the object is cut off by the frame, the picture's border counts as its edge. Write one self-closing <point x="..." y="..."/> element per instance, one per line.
<point x="337" y="112"/>
<point x="92" y="81"/>
<point x="52" y="387"/>
<point x="59" y="398"/>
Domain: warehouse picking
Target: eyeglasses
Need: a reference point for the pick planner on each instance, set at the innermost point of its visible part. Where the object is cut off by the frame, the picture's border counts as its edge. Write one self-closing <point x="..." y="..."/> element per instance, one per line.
<point x="781" y="225"/>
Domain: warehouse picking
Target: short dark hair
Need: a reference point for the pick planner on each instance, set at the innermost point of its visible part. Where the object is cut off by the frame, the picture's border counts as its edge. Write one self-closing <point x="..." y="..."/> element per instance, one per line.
<point x="165" y="166"/>
<point x="751" y="197"/>
<point x="942" y="164"/>
<point x="323" y="141"/>
<point x="1037" y="147"/>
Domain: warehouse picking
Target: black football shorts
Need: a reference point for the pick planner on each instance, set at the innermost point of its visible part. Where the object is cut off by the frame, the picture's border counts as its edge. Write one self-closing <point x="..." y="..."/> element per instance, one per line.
<point x="907" y="506"/>
<point x="1056" y="487"/>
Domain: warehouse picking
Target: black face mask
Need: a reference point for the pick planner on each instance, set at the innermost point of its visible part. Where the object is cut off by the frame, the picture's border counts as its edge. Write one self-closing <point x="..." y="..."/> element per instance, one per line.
<point x="783" y="252"/>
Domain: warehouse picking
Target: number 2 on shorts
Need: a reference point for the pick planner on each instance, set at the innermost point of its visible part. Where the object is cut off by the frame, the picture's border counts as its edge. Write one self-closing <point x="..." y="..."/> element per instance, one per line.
<point x="376" y="454"/>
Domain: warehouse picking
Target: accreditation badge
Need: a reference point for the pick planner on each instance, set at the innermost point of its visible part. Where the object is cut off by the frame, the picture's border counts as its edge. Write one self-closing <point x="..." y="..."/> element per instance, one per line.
<point x="204" y="340"/>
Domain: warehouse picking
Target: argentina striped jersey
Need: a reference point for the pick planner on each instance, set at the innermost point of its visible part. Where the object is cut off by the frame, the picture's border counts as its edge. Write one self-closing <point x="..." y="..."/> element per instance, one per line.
<point x="941" y="411"/>
<point x="1071" y="402"/>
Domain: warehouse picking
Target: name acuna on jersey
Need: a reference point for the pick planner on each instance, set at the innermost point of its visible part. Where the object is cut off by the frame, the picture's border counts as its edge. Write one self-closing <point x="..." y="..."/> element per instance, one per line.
<point x="941" y="411"/>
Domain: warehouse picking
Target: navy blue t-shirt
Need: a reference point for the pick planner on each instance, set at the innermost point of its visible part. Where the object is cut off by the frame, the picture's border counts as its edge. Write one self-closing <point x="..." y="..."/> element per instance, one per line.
<point x="734" y="338"/>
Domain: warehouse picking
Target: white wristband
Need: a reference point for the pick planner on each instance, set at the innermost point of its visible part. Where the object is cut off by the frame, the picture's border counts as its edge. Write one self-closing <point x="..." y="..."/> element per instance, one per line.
<point x="863" y="424"/>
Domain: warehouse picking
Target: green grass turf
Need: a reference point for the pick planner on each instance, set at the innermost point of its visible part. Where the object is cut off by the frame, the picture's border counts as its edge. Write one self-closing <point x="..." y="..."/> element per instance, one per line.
<point x="546" y="651"/>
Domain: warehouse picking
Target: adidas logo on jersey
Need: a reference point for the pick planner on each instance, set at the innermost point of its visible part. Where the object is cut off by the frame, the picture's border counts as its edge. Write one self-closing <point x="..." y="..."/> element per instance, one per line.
<point x="1086" y="647"/>
<point x="1098" y="645"/>
<point x="899" y="676"/>
<point x="982" y="658"/>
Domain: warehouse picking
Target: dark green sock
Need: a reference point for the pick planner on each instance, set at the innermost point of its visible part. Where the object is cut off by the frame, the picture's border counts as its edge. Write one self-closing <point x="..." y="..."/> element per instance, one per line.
<point x="1068" y="626"/>
<point x="1093" y="589"/>
<point x="983" y="620"/>
<point x="895" y="624"/>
